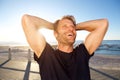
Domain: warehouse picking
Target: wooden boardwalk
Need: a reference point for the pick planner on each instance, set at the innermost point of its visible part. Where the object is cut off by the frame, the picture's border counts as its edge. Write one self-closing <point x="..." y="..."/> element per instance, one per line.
<point x="28" y="70"/>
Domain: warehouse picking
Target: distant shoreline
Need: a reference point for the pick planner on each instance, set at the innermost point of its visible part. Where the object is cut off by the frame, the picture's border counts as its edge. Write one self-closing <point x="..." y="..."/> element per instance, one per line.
<point x="12" y="43"/>
<point x="108" y="47"/>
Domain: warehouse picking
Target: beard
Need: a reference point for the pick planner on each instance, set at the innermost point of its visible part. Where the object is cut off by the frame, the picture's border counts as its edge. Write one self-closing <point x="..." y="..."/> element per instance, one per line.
<point x="66" y="39"/>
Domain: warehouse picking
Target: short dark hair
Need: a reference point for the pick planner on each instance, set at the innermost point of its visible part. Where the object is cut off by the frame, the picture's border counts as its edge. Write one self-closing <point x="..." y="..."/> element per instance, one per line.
<point x="69" y="17"/>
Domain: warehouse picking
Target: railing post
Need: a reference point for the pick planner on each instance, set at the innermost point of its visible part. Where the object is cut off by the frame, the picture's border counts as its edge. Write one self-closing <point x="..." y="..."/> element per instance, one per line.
<point x="9" y="53"/>
<point x="29" y="55"/>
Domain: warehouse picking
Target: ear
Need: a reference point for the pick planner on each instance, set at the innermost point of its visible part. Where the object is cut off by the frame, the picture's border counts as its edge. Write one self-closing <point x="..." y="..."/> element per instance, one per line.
<point x="55" y="34"/>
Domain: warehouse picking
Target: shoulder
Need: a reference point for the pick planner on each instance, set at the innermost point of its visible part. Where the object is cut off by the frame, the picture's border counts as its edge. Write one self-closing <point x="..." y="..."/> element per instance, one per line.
<point x="46" y="52"/>
<point x="81" y="47"/>
<point x="82" y="50"/>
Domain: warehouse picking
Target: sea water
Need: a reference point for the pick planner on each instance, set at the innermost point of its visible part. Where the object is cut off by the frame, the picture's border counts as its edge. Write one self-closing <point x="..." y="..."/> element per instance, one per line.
<point x="108" y="47"/>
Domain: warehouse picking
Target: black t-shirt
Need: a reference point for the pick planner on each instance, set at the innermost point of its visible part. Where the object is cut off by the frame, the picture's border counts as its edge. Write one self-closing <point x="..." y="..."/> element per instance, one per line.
<point x="58" y="65"/>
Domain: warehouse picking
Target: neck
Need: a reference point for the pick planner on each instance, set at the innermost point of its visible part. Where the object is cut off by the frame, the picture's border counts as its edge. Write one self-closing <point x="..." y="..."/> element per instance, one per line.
<point x="65" y="48"/>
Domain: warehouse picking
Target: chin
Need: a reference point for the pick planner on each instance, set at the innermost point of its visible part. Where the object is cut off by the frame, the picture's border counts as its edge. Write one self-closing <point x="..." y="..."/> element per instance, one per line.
<point x="72" y="42"/>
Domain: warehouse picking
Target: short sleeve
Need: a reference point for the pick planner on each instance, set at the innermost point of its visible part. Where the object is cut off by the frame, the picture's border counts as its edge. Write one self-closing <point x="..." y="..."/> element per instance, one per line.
<point x="84" y="52"/>
<point x="48" y="49"/>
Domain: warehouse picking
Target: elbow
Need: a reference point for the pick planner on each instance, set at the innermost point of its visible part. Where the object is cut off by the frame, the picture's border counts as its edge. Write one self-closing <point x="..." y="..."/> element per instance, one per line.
<point x="24" y="19"/>
<point x="25" y="16"/>
<point x="105" y="23"/>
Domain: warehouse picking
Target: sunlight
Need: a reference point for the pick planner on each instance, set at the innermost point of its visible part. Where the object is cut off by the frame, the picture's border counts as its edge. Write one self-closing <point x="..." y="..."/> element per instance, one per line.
<point x="81" y="35"/>
<point x="13" y="34"/>
<point x="48" y="34"/>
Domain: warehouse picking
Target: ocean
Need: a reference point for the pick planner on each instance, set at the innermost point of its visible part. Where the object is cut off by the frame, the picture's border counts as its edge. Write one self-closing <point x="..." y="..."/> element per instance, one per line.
<point x="108" y="47"/>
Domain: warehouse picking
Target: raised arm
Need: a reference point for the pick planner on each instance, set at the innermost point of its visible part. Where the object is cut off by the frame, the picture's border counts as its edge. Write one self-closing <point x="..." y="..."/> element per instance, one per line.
<point x="31" y="26"/>
<point x="97" y="29"/>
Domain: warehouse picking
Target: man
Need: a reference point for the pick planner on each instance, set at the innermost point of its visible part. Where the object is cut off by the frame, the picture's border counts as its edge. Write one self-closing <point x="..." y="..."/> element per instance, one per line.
<point x="66" y="62"/>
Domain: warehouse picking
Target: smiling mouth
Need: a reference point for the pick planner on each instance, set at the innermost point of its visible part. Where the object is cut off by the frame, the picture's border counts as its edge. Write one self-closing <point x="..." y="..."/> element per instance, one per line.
<point x="70" y="34"/>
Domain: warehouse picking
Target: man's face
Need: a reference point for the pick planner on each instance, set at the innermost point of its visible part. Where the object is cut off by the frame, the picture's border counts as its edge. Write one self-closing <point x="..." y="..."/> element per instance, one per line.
<point x="66" y="32"/>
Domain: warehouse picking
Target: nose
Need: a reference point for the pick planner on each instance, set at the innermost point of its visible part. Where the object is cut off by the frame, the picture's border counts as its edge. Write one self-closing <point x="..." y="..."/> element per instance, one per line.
<point x="71" y="28"/>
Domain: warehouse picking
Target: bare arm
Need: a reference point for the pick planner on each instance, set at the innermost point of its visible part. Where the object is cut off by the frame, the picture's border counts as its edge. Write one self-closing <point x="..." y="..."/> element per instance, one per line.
<point x="97" y="29"/>
<point x="31" y="25"/>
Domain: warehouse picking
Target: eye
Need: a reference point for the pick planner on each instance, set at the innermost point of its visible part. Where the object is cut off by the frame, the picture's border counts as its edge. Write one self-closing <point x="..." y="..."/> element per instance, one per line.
<point x="64" y="26"/>
<point x="72" y="26"/>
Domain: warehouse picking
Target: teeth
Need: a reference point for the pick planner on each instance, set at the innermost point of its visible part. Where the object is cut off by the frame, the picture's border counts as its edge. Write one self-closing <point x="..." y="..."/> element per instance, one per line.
<point x="70" y="34"/>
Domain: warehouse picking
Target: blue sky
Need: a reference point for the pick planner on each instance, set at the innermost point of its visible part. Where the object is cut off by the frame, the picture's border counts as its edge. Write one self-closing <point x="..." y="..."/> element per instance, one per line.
<point x="11" y="12"/>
